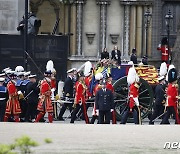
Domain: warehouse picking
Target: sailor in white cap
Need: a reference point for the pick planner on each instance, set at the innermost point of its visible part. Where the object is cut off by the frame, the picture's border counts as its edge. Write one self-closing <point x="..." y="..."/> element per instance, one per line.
<point x="32" y="98"/>
<point x="68" y="91"/>
<point x="158" y="107"/>
<point x="3" y="98"/>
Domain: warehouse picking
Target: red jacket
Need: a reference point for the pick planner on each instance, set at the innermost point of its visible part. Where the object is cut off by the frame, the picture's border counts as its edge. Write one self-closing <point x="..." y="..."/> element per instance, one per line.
<point x="45" y="103"/>
<point x="110" y="86"/>
<point x="133" y="93"/>
<point x="164" y="53"/>
<point x="80" y="92"/>
<point x="87" y="82"/>
<point x="12" y="105"/>
<point x="172" y="92"/>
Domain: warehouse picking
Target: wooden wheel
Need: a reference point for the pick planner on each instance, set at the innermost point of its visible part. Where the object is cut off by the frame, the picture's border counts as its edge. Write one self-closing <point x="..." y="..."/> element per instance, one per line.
<point x="121" y="97"/>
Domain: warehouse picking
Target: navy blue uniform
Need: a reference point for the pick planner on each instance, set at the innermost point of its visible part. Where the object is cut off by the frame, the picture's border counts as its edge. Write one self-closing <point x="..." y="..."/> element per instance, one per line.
<point x="32" y="100"/>
<point x="3" y="100"/>
<point x="68" y="92"/>
<point x="159" y="101"/>
<point x="104" y="103"/>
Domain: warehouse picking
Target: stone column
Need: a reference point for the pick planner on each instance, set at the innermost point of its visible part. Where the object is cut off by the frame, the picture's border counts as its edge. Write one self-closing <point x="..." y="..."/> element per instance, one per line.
<point x="126" y="30"/>
<point x="79" y="22"/>
<point x="103" y="23"/>
<point x="139" y="31"/>
<point x="133" y="28"/>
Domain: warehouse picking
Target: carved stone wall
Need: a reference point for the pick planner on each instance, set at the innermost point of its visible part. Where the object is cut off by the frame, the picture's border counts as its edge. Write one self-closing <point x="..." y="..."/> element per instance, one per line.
<point x="48" y="11"/>
<point x="11" y="12"/>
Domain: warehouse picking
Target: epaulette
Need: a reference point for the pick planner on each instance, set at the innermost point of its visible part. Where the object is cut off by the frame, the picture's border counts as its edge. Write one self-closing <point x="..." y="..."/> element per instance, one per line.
<point x="175" y="85"/>
<point x="136" y="85"/>
<point x="99" y="86"/>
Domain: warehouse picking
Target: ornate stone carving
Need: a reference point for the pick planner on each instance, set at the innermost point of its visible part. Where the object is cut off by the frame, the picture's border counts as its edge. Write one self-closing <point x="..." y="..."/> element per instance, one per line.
<point x="114" y="38"/>
<point x="137" y="2"/>
<point x="35" y="4"/>
<point x="90" y="37"/>
<point x="100" y="2"/>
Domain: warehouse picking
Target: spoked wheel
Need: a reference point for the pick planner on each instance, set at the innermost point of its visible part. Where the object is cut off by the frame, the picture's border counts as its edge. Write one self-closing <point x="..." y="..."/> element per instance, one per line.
<point x="121" y="97"/>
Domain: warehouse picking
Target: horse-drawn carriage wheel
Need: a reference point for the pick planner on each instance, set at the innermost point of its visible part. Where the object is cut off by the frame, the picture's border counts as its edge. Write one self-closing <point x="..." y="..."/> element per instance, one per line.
<point x="121" y="97"/>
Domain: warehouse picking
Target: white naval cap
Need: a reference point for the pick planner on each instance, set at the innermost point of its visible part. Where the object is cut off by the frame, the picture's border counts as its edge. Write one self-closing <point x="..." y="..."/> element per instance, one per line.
<point x="27" y="73"/>
<point x="71" y="70"/>
<point x="2" y="79"/>
<point x="32" y="76"/>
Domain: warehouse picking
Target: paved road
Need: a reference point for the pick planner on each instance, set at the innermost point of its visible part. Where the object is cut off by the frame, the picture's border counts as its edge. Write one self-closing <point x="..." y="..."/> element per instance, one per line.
<point x="95" y="139"/>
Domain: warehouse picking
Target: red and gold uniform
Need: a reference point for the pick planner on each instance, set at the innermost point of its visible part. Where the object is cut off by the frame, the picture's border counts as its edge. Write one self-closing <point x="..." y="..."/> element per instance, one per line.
<point x="45" y="103"/>
<point x="80" y="101"/>
<point x="164" y="53"/>
<point x="133" y="93"/>
<point x="53" y="83"/>
<point x="13" y="106"/>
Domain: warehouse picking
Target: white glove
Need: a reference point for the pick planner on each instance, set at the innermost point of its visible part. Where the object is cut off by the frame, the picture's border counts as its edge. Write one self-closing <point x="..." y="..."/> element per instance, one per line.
<point x="112" y="110"/>
<point x="97" y="112"/>
<point x="19" y="92"/>
<point x="136" y="101"/>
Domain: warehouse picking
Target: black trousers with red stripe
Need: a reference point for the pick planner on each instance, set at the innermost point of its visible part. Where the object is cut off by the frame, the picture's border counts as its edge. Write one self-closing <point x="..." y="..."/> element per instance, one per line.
<point x="170" y="110"/>
<point x="76" y="110"/>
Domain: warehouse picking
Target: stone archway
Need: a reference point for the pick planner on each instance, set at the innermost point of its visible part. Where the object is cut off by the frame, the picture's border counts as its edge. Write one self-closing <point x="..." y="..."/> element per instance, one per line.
<point x="48" y="12"/>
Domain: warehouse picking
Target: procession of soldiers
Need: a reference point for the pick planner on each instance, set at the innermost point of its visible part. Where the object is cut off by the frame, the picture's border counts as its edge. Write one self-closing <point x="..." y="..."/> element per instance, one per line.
<point x="25" y="99"/>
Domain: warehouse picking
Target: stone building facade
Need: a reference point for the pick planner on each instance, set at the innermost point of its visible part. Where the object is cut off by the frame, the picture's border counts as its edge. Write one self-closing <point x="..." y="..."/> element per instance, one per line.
<point x="94" y="24"/>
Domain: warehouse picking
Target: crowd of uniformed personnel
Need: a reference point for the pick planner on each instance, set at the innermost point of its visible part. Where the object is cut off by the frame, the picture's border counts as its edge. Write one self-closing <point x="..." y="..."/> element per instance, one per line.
<point x="24" y="99"/>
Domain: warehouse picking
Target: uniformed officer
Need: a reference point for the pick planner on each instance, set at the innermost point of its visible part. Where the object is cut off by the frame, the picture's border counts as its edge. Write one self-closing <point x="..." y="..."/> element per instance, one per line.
<point x="45" y="103"/>
<point x="104" y="104"/>
<point x="172" y="98"/>
<point x="68" y="90"/>
<point x="133" y="104"/>
<point x="13" y="105"/>
<point x="32" y="99"/>
<point x="159" y="93"/>
<point x="110" y="87"/>
<point x="159" y="99"/>
<point x="3" y="97"/>
<point x="79" y="101"/>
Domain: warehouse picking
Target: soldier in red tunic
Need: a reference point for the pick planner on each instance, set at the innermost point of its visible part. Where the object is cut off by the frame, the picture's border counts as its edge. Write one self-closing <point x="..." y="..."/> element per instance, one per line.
<point x="172" y="98"/>
<point x="164" y="50"/>
<point x="132" y="80"/>
<point x="45" y="103"/>
<point x="79" y="101"/>
<point x="13" y="105"/>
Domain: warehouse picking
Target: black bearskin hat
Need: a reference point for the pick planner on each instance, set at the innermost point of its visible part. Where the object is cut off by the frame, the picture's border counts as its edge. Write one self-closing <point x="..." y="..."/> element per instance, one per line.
<point x="172" y="75"/>
<point x="164" y="41"/>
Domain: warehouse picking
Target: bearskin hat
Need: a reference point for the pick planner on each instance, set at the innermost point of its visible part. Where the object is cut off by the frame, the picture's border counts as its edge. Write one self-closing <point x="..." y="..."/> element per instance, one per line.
<point x="164" y="41"/>
<point x="172" y="75"/>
